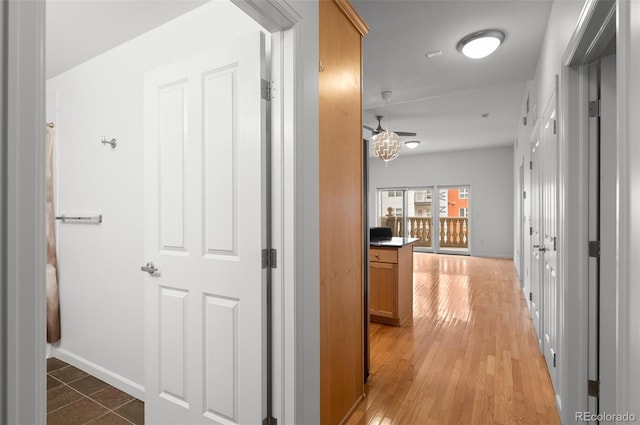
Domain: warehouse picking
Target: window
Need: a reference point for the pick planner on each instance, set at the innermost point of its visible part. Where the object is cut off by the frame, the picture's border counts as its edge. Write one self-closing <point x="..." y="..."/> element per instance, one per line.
<point x="395" y="194"/>
<point x="398" y="212"/>
<point x="424" y="196"/>
<point x="463" y="193"/>
<point x="463" y="212"/>
<point x="423" y="211"/>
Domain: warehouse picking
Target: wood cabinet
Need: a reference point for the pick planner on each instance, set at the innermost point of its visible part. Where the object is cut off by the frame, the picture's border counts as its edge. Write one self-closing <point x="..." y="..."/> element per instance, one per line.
<point x="341" y="210"/>
<point x="391" y="284"/>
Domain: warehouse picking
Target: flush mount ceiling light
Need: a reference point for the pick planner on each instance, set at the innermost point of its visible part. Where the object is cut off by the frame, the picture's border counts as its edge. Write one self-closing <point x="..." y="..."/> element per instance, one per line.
<point x="412" y="144"/>
<point x="480" y="44"/>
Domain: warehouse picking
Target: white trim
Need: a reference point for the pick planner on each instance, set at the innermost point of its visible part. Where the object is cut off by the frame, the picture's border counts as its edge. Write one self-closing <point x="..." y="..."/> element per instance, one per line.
<point x="573" y="259"/>
<point x="591" y="34"/>
<point x="273" y="15"/>
<point x="585" y="45"/>
<point x="296" y="385"/>
<point x="297" y="238"/>
<point x="3" y="221"/>
<point x="25" y="207"/>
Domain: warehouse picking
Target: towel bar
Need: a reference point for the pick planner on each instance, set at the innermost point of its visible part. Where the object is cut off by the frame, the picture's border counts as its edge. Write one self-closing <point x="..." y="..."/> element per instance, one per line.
<point x="91" y="219"/>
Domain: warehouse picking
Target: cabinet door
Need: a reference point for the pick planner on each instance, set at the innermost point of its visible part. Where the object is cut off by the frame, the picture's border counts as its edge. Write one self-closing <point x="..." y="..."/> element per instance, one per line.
<point x="383" y="287"/>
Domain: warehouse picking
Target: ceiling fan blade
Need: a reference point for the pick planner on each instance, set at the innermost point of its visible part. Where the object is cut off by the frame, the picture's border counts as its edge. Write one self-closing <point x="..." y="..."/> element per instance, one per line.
<point x="368" y="128"/>
<point x="404" y="133"/>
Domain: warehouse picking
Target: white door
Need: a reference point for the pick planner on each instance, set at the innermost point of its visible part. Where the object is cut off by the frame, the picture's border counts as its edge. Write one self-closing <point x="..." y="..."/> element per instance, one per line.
<point x="535" y="296"/>
<point x="205" y="228"/>
<point x="550" y="290"/>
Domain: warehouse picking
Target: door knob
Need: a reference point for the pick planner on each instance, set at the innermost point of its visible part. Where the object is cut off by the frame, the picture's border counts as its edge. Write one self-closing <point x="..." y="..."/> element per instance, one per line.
<point x="149" y="268"/>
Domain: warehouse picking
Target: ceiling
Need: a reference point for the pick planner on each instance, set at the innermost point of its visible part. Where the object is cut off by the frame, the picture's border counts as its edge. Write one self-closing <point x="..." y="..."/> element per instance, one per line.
<point x="78" y="30"/>
<point x="443" y="99"/>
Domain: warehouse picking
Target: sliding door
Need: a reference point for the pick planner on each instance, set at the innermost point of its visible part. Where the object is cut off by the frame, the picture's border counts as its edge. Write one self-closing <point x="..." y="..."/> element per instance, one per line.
<point x="437" y="216"/>
<point x="391" y="210"/>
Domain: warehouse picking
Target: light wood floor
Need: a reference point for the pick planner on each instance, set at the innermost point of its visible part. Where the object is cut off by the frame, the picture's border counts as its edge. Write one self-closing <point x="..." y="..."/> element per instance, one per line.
<point x="469" y="357"/>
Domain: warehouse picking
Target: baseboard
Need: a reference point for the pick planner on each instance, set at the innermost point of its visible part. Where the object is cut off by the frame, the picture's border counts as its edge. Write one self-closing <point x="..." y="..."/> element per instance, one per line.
<point x="111" y="378"/>
<point x="488" y="255"/>
<point x="353" y="408"/>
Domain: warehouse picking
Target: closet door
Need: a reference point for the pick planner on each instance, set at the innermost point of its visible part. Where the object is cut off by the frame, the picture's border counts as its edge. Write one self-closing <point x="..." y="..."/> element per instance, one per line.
<point x="341" y="211"/>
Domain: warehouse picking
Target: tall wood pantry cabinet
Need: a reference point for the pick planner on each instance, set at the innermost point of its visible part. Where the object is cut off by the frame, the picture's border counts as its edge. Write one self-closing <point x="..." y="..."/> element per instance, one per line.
<point x="341" y="210"/>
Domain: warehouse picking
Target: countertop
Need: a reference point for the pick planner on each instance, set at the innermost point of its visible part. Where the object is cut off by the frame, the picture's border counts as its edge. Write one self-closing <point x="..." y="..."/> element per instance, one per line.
<point x="395" y="242"/>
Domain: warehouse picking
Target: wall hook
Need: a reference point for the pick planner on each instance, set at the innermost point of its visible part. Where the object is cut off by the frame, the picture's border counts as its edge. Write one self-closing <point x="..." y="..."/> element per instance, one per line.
<point x="112" y="142"/>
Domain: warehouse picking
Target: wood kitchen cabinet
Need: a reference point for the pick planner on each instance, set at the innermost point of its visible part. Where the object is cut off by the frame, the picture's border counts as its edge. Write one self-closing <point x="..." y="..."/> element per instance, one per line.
<point x="391" y="281"/>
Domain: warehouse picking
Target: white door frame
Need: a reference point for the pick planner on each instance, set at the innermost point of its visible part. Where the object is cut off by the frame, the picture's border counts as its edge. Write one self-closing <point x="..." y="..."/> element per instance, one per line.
<point x="23" y="214"/>
<point x="574" y="192"/>
<point x="22" y="217"/>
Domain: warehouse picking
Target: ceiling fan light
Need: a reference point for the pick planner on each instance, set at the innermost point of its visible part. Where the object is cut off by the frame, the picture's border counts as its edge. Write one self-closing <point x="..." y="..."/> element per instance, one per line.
<point x="480" y="44"/>
<point x="412" y="144"/>
<point x="386" y="146"/>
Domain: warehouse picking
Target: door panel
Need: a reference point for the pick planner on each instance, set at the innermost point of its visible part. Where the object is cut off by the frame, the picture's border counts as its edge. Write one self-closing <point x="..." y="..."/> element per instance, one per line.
<point x="172" y="137"/>
<point x="173" y="345"/>
<point x="536" y="237"/>
<point x="384" y="289"/>
<point x="205" y="228"/>
<point x="220" y="188"/>
<point x="550" y="289"/>
<point x="221" y="366"/>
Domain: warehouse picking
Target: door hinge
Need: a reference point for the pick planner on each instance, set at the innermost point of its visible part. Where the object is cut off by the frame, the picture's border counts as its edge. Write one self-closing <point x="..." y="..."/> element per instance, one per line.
<point x="267" y="89"/>
<point x="530" y="296"/>
<point x="524" y="195"/>
<point x="593" y="388"/>
<point x="269" y="258"/>
<point x="531" y="165"/>
<point x="594" y="108"/>
<point x="554" y="358"/>
<point x="269" y="420"/>
<point x="594" y="249"/>
<point x="555" y="126"/>
<point x="555" y="245"/>
<point x="530" y="231"/>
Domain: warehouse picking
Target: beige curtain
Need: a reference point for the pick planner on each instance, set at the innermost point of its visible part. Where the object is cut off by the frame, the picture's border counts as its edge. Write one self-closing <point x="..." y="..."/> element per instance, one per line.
<point x="53" y="304"/>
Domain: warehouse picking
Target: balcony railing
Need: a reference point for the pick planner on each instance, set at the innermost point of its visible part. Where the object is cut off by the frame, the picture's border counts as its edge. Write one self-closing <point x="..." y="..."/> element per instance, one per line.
<point x="454" y="231"/>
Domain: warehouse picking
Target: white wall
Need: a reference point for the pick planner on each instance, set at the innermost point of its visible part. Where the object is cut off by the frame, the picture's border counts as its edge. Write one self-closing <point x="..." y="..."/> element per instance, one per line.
<point x="101" y="286"/>
<point x="489" y="172"/>
<point x="303" y="228"/>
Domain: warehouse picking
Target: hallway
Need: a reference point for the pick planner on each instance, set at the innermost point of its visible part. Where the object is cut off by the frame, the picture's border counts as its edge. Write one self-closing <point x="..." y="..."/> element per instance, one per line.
<point x="470" y="356"/>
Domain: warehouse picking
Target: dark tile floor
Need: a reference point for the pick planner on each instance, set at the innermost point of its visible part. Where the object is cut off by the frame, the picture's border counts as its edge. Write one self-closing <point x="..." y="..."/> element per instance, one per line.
<point x="77" y="398"/>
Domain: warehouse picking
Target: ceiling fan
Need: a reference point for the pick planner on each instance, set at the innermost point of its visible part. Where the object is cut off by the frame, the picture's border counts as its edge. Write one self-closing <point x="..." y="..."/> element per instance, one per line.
<point x="379" y="129"/>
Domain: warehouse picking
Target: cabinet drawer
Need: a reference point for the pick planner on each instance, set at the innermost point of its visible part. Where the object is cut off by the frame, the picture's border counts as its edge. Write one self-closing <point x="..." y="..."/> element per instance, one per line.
<point x="383" y="255"/>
